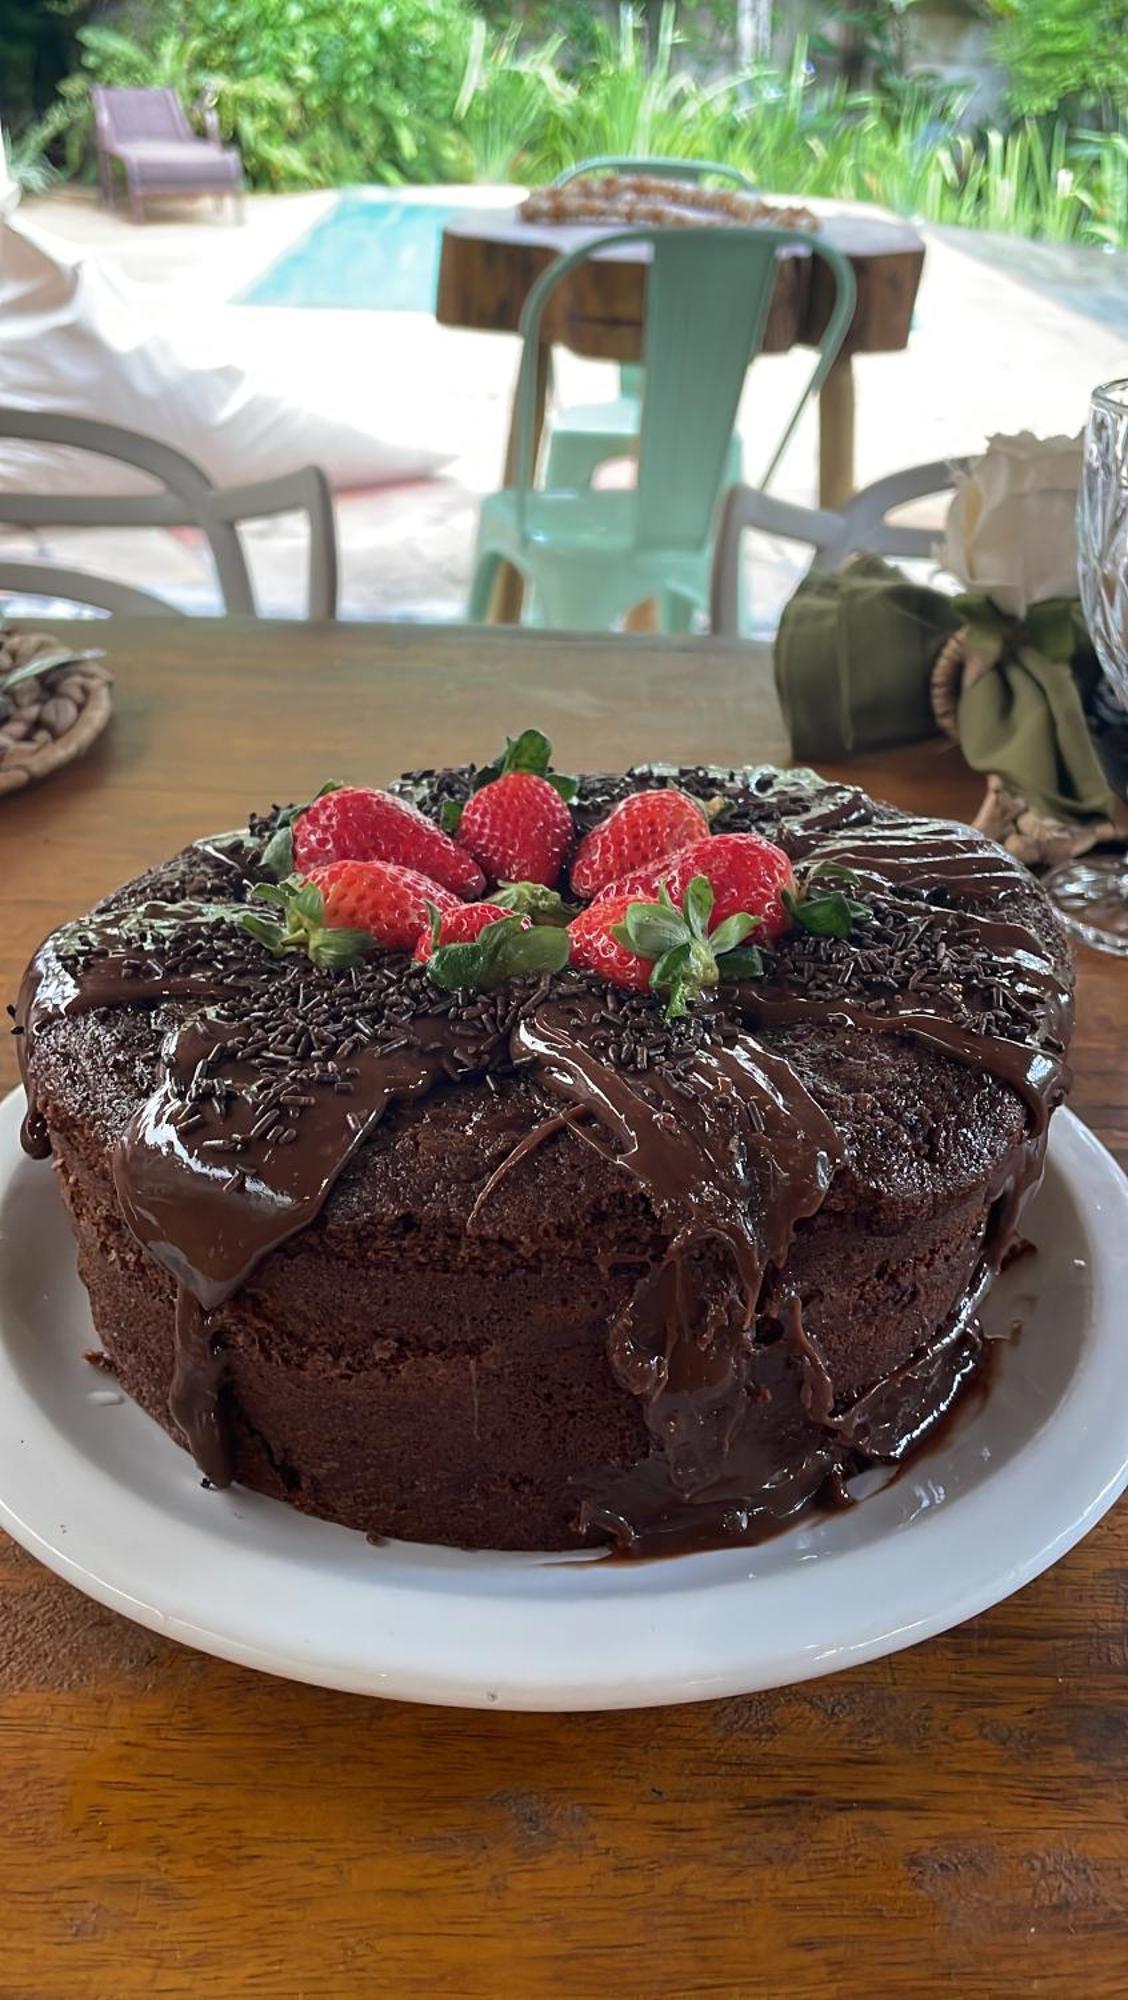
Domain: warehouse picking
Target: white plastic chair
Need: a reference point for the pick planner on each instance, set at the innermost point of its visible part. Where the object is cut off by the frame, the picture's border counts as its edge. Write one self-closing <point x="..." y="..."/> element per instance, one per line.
<point x="862" y="526"/>
<point x="189" y="500"/>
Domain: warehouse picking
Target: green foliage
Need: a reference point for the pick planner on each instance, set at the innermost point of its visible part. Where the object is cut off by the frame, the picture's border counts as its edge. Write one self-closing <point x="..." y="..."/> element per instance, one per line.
<point x="316" y="93"/>
<point x="27" y="151"/>
<point x="1063" y="53"/>
<point x="327" y="92"/>
<point x="904" y="147"/>
<point x="506" y="100"/>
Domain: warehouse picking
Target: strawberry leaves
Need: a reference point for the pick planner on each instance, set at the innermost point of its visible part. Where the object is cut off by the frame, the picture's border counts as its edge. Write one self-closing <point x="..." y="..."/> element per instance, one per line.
<point x="532" y="899"/>
<point x="530" y="751"/>
<point x="300" y="926"/>
<point x="687" y="957"/>
<point x="830" y="912"/>
<point x="505" y="950"/>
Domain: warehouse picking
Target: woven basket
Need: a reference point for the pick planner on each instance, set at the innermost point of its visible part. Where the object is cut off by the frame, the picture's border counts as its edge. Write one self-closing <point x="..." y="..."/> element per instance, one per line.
<point x="1031" y="836"/>
<point x="89" y="686"/>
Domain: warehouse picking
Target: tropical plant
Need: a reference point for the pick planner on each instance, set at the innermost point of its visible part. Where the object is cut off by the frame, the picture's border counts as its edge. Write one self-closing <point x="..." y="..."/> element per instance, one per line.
<point x="257" y="112"/>
<point x="1063" y="54"/>
<point x="327" y="92"/>
<point x="26" y="152"/>
<point x="317" y="93"/>
<point x="506" y="100"/>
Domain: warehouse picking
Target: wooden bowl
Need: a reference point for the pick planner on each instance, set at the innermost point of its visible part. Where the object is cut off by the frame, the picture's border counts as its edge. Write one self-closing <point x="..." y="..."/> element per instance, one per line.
<point x="27" y="755"/>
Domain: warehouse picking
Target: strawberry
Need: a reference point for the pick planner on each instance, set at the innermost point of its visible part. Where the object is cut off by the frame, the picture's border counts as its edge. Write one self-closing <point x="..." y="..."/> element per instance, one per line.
<point x="664" y="948"/>
<point x="462" y="926"/>
<point x="643" y="828"/>
<point x="745" y="872"/>
<point x="355" y="823"/>
<point x="516" y="823"/>
<point x="640" y="886"/>
<point x="734" y="871"/>
<point x="393" y="904"/>
<point x="596" y="947"/>
<point x="346" y="909"/>
<point x="505" y="949"/>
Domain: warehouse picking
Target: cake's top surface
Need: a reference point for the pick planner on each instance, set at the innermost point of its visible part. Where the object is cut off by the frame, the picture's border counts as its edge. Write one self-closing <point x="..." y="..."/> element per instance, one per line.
<point x="901" y="1030"/>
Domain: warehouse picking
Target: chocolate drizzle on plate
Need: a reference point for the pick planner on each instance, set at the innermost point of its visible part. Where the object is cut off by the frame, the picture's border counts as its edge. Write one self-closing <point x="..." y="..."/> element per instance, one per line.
<point x="272" y="1075"/>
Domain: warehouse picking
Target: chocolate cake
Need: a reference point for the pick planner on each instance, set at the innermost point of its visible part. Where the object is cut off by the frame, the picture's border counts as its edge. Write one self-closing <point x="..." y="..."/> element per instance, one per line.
<point x="548" y="1265"/>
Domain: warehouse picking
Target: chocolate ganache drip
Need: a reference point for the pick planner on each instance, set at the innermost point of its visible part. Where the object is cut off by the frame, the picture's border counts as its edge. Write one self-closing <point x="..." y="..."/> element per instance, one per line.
<point x="733" y="1151"/>
<point x="271" y="1077"/>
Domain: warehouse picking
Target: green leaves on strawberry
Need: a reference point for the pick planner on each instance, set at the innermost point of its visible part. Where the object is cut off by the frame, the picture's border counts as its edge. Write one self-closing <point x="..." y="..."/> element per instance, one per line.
<point x="278" y="854"/>
<point x="830" y="912"/>
<point x="301" y="926"/>
<point x="686" y="956"/>
<point x="531" y="751"/>
<point x="504" y="950"/>
<point x="532" y="899"/>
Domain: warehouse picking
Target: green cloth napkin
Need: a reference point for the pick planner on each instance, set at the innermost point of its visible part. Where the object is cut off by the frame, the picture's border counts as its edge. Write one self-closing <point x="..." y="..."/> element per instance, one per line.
<point x="853" y="660"/>
<point x="1024" y="719"/>
<point x="853" y="656"/>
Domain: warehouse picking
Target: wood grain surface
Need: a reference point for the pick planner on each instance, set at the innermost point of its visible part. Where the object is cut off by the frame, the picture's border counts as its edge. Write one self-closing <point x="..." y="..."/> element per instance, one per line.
<point x="491" y="260"/>
<point x="950" y="1821"/>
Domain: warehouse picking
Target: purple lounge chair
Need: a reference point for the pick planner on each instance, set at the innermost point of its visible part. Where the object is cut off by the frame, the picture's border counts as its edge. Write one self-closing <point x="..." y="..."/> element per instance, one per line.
<point x="148" y="134"/>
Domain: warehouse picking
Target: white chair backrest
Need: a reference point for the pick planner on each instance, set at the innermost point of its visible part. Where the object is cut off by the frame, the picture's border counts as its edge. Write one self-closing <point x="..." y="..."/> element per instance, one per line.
<point x="188" y="499"/>
<point x="78" y="586"/>
<point x="868" y="528"/>
<point x="860" y="527"/>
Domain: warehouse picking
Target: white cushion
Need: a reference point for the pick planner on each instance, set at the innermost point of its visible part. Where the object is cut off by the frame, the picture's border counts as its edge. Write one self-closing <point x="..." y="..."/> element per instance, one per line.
<point x="78" y="339"/>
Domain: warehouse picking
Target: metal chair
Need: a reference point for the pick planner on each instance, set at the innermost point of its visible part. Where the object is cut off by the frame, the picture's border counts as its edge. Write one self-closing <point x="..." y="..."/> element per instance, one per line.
<point x="147" y="134"/>
<point x="189" y="499"/>
<point x="862" y="526"/>
<point x="591" y="556"/>
<point x="585" y="436"/>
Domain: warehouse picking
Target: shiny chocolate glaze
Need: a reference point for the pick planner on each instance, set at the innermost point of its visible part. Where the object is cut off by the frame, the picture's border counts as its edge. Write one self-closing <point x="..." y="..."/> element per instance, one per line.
<point x="247" y="1129"/>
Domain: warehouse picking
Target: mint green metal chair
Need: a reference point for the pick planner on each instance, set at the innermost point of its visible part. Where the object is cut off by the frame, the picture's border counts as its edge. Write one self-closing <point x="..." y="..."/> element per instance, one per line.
<point x="588" y="557"/>
<point x="585" y="436"/>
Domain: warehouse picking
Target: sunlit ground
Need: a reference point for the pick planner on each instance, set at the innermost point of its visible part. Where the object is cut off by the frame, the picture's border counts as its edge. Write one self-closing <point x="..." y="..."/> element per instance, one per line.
<point x="1007" y="336"/>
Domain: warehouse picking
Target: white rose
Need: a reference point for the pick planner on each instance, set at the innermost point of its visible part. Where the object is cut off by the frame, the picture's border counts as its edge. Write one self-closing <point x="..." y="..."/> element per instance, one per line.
<point x="1011" y="531"/>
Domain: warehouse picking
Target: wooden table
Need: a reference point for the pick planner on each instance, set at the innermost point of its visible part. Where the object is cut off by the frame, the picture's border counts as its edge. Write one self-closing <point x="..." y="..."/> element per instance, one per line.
<point x="947" y="1821"/>
<point x="491" y="260"/>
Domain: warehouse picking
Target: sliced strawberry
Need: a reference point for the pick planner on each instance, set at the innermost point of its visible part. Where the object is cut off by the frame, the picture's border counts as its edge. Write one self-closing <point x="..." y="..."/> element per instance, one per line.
<point x="462" y="926"/>
<point x="355" y="823"/>
<point x="642" y="829"/>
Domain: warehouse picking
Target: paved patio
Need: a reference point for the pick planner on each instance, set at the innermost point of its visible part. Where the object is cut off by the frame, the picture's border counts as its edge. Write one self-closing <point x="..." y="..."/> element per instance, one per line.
<point x="1000" y="342"/>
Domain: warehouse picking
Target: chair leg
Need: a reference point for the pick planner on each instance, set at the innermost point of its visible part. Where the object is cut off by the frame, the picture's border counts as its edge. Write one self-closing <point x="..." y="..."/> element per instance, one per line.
<point x="486" y="566"/>
<point x="676" y="612"/>
<point x="136" y="200"/>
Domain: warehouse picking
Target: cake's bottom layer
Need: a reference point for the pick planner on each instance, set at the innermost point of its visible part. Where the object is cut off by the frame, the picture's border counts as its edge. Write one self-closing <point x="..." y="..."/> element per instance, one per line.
<point x="481" y="1441"/>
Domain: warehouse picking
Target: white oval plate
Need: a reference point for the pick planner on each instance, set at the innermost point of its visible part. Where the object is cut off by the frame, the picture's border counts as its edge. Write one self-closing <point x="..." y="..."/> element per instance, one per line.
<point x="96" y="1491"/>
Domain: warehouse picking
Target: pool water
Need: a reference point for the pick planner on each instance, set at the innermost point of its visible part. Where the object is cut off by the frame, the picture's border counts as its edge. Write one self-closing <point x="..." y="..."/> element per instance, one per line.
<point x="373" y="250"/>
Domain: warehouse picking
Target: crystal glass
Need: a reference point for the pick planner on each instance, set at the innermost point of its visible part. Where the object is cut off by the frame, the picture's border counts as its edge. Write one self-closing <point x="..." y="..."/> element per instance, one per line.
<point x="1092" y="892"/>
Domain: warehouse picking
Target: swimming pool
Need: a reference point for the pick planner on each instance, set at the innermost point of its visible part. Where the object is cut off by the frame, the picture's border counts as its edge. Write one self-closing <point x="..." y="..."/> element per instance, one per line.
<point x="374" y="250"/>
